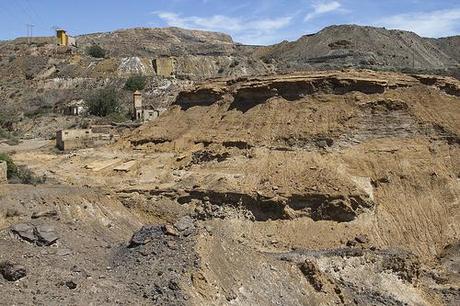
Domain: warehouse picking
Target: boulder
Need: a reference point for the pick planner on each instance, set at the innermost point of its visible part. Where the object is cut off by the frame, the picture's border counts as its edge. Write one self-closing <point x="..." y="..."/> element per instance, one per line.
<point x="24" y="231"/>
<point x="43" y="235"/>
<point x="11" y="271"/>
<point x="145" y="235"/>
<point x="44" y="214"/>
<point x="170" y="230"/>
<point x="71" y="285"/>
<point x="184" y="224"/>
<point x="46" y="235"/>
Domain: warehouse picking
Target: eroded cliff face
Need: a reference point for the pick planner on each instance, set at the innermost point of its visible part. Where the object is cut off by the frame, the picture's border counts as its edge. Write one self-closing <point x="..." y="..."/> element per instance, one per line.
<point x="352" y="153"/>
<point x="301" y="189"/>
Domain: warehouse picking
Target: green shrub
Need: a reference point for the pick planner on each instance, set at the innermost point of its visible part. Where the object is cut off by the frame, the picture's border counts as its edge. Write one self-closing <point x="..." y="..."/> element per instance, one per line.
<point x="40" y="111"/>
<point x="119" y="117"/>
<point x="26" y="176"/>
<point x="10" y="137"/>
<point x="20" y="174"/>
<point x="234" y="64"/>
<point x="136" y="82"/>
<point x="12" y="169"/>
<point x="95" y="51"/>
<point x="103" y="103"/>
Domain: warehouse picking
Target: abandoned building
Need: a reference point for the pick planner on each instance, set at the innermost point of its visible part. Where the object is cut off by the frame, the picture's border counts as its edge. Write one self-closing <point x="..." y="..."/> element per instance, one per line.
<point x="3" y="172"/>
<point x="65" y="40"/>
<point x="143" y="113"/>
<point x="164" y="66"/>
<point x="81" y="138"/>
<point x="137" y="105"/>
<point x="75" y="108"/>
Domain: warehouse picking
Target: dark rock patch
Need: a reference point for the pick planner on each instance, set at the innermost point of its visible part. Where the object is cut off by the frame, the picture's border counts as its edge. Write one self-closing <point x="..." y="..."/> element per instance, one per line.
<point x="11" y="271"/>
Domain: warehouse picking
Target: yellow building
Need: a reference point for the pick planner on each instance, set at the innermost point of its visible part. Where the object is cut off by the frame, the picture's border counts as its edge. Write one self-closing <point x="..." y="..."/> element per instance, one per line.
<point x="63" y="38"/>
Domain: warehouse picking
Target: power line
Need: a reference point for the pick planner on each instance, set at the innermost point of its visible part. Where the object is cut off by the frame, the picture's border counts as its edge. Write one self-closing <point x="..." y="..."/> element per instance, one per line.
<point x="21" y="8"/>
<point x="34" y="12"/>
<point x="30" y="34"/>
<point x="12" y="13"/>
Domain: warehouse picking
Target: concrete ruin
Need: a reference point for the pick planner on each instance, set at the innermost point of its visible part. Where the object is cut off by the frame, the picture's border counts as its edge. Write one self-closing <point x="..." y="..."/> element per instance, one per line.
<point x="64" y="39"/>
<point x="143" y="113"/>
<point x="75" y="108"/>
<point x="3" y="172"/>
<point x="137" y="105"/>
<point x="164" y="66"/>
<point x="81" y="138"/>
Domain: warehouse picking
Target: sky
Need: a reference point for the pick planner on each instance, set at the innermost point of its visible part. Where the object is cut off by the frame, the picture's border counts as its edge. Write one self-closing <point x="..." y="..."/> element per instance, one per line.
<point x="258" y="22"/>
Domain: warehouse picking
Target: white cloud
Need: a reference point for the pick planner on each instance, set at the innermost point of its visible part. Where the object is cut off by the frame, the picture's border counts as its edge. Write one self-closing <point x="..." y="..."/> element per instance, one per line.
<point x="429" y="24"/>
<point x="255" y="31"/>
<point x="323" y="8"/>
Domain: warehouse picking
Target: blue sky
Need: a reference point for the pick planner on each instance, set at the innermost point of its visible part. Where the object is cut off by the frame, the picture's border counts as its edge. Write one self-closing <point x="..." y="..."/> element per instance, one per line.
<point x="251" y="22"/>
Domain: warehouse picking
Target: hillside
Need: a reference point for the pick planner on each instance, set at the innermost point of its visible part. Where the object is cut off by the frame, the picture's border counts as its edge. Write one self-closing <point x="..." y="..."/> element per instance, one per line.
<point x="449" y="45"/>
<point x="359" y="46"/>
<point x="154" y="42"/>
<point x="39" y="79"/>
<point x="324" y="171"/>
<point x="322" y="188"/>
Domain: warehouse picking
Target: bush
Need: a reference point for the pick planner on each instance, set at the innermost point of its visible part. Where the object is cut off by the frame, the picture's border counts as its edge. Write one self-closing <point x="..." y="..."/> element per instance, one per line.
<point x="103" y="103"/>
<point x="39" y="111"/>
<point x="136" y="82"/>
<point x="95" y="51"/>
<point x="11" y="138"/>
<point x="119" y="117"/>
<point x="234" y="64"/>
<point x="12" y="169"/>
<point x="26" y="176"/>
<point x="20" y="174"/>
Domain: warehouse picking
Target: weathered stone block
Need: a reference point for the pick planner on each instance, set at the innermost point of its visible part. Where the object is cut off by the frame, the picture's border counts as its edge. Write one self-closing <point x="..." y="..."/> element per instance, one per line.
<point x="3" y="172"/>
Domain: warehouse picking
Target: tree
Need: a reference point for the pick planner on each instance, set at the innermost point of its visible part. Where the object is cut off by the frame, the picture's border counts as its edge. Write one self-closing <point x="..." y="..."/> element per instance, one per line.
<point x="95" y="51"/>
<point x="136" y="82"/>
<point x="103" y="103"/>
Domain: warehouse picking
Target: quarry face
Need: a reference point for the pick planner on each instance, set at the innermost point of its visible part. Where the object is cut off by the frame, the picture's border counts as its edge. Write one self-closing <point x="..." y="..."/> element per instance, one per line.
<point x="302" y="188"/>
<point x="321" y="188"/>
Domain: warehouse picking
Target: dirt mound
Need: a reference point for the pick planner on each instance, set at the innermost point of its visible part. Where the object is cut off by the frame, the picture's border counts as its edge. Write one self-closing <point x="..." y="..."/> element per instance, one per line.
<point x="83" y="227"/>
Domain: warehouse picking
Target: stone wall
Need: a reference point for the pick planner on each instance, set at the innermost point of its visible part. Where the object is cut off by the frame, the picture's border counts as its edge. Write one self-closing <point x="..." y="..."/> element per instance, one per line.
<point x="3" y="172"/>
<point x="80" y="139"/>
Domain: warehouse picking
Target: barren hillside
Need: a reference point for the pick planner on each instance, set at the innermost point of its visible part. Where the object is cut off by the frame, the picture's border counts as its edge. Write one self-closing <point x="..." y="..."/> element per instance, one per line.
<point x="352" y="46"/>
<point x="300" y="189"/>
<point x="278" y="175"/>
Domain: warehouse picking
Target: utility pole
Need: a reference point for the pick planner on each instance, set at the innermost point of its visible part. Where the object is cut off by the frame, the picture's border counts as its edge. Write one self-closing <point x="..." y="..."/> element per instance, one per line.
<point x="30" y="28"/>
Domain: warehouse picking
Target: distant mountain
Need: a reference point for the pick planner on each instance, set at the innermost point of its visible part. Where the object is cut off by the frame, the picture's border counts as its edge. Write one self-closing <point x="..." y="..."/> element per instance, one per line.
<point x="355" y="46"/>
<point x="146" y="42"/>
<point x="449" y="45"/>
